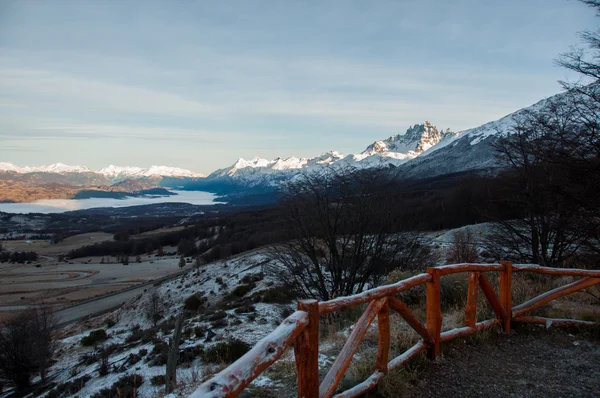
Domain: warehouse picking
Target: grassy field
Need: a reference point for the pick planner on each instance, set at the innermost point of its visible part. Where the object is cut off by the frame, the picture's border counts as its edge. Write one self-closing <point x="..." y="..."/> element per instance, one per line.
<point x="45" y="248"/>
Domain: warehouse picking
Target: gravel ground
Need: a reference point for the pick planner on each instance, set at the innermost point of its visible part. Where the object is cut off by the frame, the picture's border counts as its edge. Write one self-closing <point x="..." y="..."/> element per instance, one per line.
<point x="527" y="363"/>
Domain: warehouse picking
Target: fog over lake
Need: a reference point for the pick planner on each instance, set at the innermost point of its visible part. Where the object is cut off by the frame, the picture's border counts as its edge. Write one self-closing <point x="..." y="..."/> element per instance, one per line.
<point x="62" y="205"/>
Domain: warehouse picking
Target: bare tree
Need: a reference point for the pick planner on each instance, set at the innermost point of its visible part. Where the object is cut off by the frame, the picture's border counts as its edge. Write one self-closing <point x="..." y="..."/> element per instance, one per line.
<point x="463" y="249"/>
<point x="584" y="160"/>
<point x="342" y="239"/>
<point x="554" y="156"/>
<point x="154" y="307"/>
<point x="26" y="346"/>
<point x="550" y="226"/>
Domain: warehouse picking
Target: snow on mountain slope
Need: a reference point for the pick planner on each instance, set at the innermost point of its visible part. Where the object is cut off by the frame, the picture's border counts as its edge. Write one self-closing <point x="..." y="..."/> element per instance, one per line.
<point x="53" y="168"/>
<point x="137" y="172"/>
<point x="422" y="151"/>
<point x="395" y="150"/>
<point x="112" y="172"/>
<point x="270" y="172"/>
<point x="471" y="149"/>
<point x="416" y="140"/>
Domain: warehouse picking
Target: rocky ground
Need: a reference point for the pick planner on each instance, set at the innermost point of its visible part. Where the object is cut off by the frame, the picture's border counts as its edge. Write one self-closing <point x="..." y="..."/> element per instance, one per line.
<point x="530" y="362"/>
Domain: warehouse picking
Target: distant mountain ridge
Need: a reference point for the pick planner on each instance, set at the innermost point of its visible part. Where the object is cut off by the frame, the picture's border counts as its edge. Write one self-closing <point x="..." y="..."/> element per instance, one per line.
<point x="115" y="173"/>
<point x="422" y="151"/>
<point x="393" y="151"/>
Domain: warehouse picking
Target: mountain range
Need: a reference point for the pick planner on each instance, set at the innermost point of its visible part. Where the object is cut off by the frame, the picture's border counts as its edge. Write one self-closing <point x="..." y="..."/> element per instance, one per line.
<point x="422" y="151"/>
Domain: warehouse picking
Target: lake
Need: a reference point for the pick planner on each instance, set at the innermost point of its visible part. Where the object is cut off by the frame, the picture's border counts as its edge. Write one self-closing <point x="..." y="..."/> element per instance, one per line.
<point x="62" y="205"/>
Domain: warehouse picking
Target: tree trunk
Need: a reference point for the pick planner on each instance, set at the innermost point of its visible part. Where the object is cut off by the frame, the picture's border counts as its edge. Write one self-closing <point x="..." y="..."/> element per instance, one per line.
<point x="171" y="376"/>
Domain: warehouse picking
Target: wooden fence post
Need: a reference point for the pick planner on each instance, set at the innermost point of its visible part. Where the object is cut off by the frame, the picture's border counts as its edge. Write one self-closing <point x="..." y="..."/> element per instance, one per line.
<point x="434" y="313"/>
<point x="506" y="293"/>
<point x="306" y="351"/>
<point x="383" y="346"/>
<point x="471" y="310"/>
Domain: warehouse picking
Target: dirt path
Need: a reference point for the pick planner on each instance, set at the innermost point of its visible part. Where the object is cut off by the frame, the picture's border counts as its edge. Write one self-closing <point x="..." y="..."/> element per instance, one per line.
<point x="530" y="363"/>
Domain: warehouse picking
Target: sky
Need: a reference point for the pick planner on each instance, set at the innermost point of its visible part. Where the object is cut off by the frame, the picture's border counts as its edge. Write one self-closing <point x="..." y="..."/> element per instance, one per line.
<point x="199" y="84"/>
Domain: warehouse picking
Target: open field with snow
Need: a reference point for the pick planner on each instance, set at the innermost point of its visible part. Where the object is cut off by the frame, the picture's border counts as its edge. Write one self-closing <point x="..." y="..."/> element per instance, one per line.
<point x="62" y="283"/>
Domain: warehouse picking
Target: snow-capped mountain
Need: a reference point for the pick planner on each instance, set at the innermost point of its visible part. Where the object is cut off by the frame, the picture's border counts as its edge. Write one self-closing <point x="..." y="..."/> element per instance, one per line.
<point x="471" y="149"/>
<point x="112" y="173"/>
<point x="117" y="172"/>
<point x="416" y="140"/>
<point x="422" y="151"/>
<point x="53" y="168"/>
<point x="270" y="172"/>
<point x="395" y="151"/>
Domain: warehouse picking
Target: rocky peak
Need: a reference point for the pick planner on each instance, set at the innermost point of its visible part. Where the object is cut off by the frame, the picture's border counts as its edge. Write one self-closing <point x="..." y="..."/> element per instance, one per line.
<point x="417" y="139"/>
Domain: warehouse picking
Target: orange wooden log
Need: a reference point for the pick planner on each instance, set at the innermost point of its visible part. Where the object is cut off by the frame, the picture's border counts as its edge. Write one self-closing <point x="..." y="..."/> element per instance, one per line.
<point x="363" y="387"/>
<point x="434" y="313"/>
<point x="233" y="379"/>
<point x="407" y="355"/>
<point x="410" y="318"/>
<point x="471" y="310"/>
<point x="490" y="295"/>
<point x="553" y="294"/>
<point x="506" y="293"/>
<point x="554" y="321"/>
<point x="335" y="374"/>
<point x="306" y="351"/>
<point x="538" y="269"/>
<point x="466" y="331"/>
<point x="459" y="268"/>
<point x="342" y="303"/>
<point x="383" y="347"/>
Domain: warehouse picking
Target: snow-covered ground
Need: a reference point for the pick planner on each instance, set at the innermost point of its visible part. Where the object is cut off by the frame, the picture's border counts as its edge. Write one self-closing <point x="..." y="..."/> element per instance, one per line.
<point x="226" y="316"/>
<point x="214" y="281"/>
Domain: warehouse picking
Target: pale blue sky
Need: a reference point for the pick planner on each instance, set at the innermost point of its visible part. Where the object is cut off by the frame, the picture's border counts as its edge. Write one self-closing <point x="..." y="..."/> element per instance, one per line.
<point x="197" y="84"/>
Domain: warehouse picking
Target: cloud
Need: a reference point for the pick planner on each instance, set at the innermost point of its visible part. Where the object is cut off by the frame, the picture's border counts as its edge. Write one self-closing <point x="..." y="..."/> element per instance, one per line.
<point x="41" y="85"/>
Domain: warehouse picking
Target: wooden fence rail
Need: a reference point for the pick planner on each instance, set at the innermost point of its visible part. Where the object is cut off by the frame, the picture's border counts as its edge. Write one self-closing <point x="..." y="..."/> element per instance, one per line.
<point x="301" y="329"/>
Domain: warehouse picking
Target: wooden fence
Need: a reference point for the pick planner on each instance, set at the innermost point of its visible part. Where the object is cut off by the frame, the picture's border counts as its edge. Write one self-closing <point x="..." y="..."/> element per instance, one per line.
<point x="302" y="327"/>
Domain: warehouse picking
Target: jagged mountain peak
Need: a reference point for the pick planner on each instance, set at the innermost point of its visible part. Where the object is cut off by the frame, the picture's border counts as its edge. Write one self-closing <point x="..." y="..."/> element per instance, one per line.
<point x="414" y="141"/>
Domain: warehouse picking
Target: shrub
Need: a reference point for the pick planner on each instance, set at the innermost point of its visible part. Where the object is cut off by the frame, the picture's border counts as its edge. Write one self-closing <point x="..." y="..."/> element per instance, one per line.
<point x="227" y="352"/>
<point x="463" y="249"/>
<point x="132" y="359"/>
<point x="252" y="278"/>
<point x="241" y="290"/>
<point x="145" y="335"/>
<point x="245" y="309"/>
<point x="219" y="323"/>
<point x="194" y="302"/>
<point x="125" y="387"/>
<point x="188" y="354"/>
<point x="287" y="311"/>
<point x="217" y="315"/>
<point x="95" y="336"/>
<point x="159" y="354"/>
<point x="158" y="380"/>
<point x="89" y="359"/>
<point x="69" y="388"/>
<point x="199" y="331"/>
<point x="277" y="295"/>
<point x="167" y="326"/>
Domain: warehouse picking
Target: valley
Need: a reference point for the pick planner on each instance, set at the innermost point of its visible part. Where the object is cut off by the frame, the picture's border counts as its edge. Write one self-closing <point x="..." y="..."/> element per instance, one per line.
<point x="299" y="199"/>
